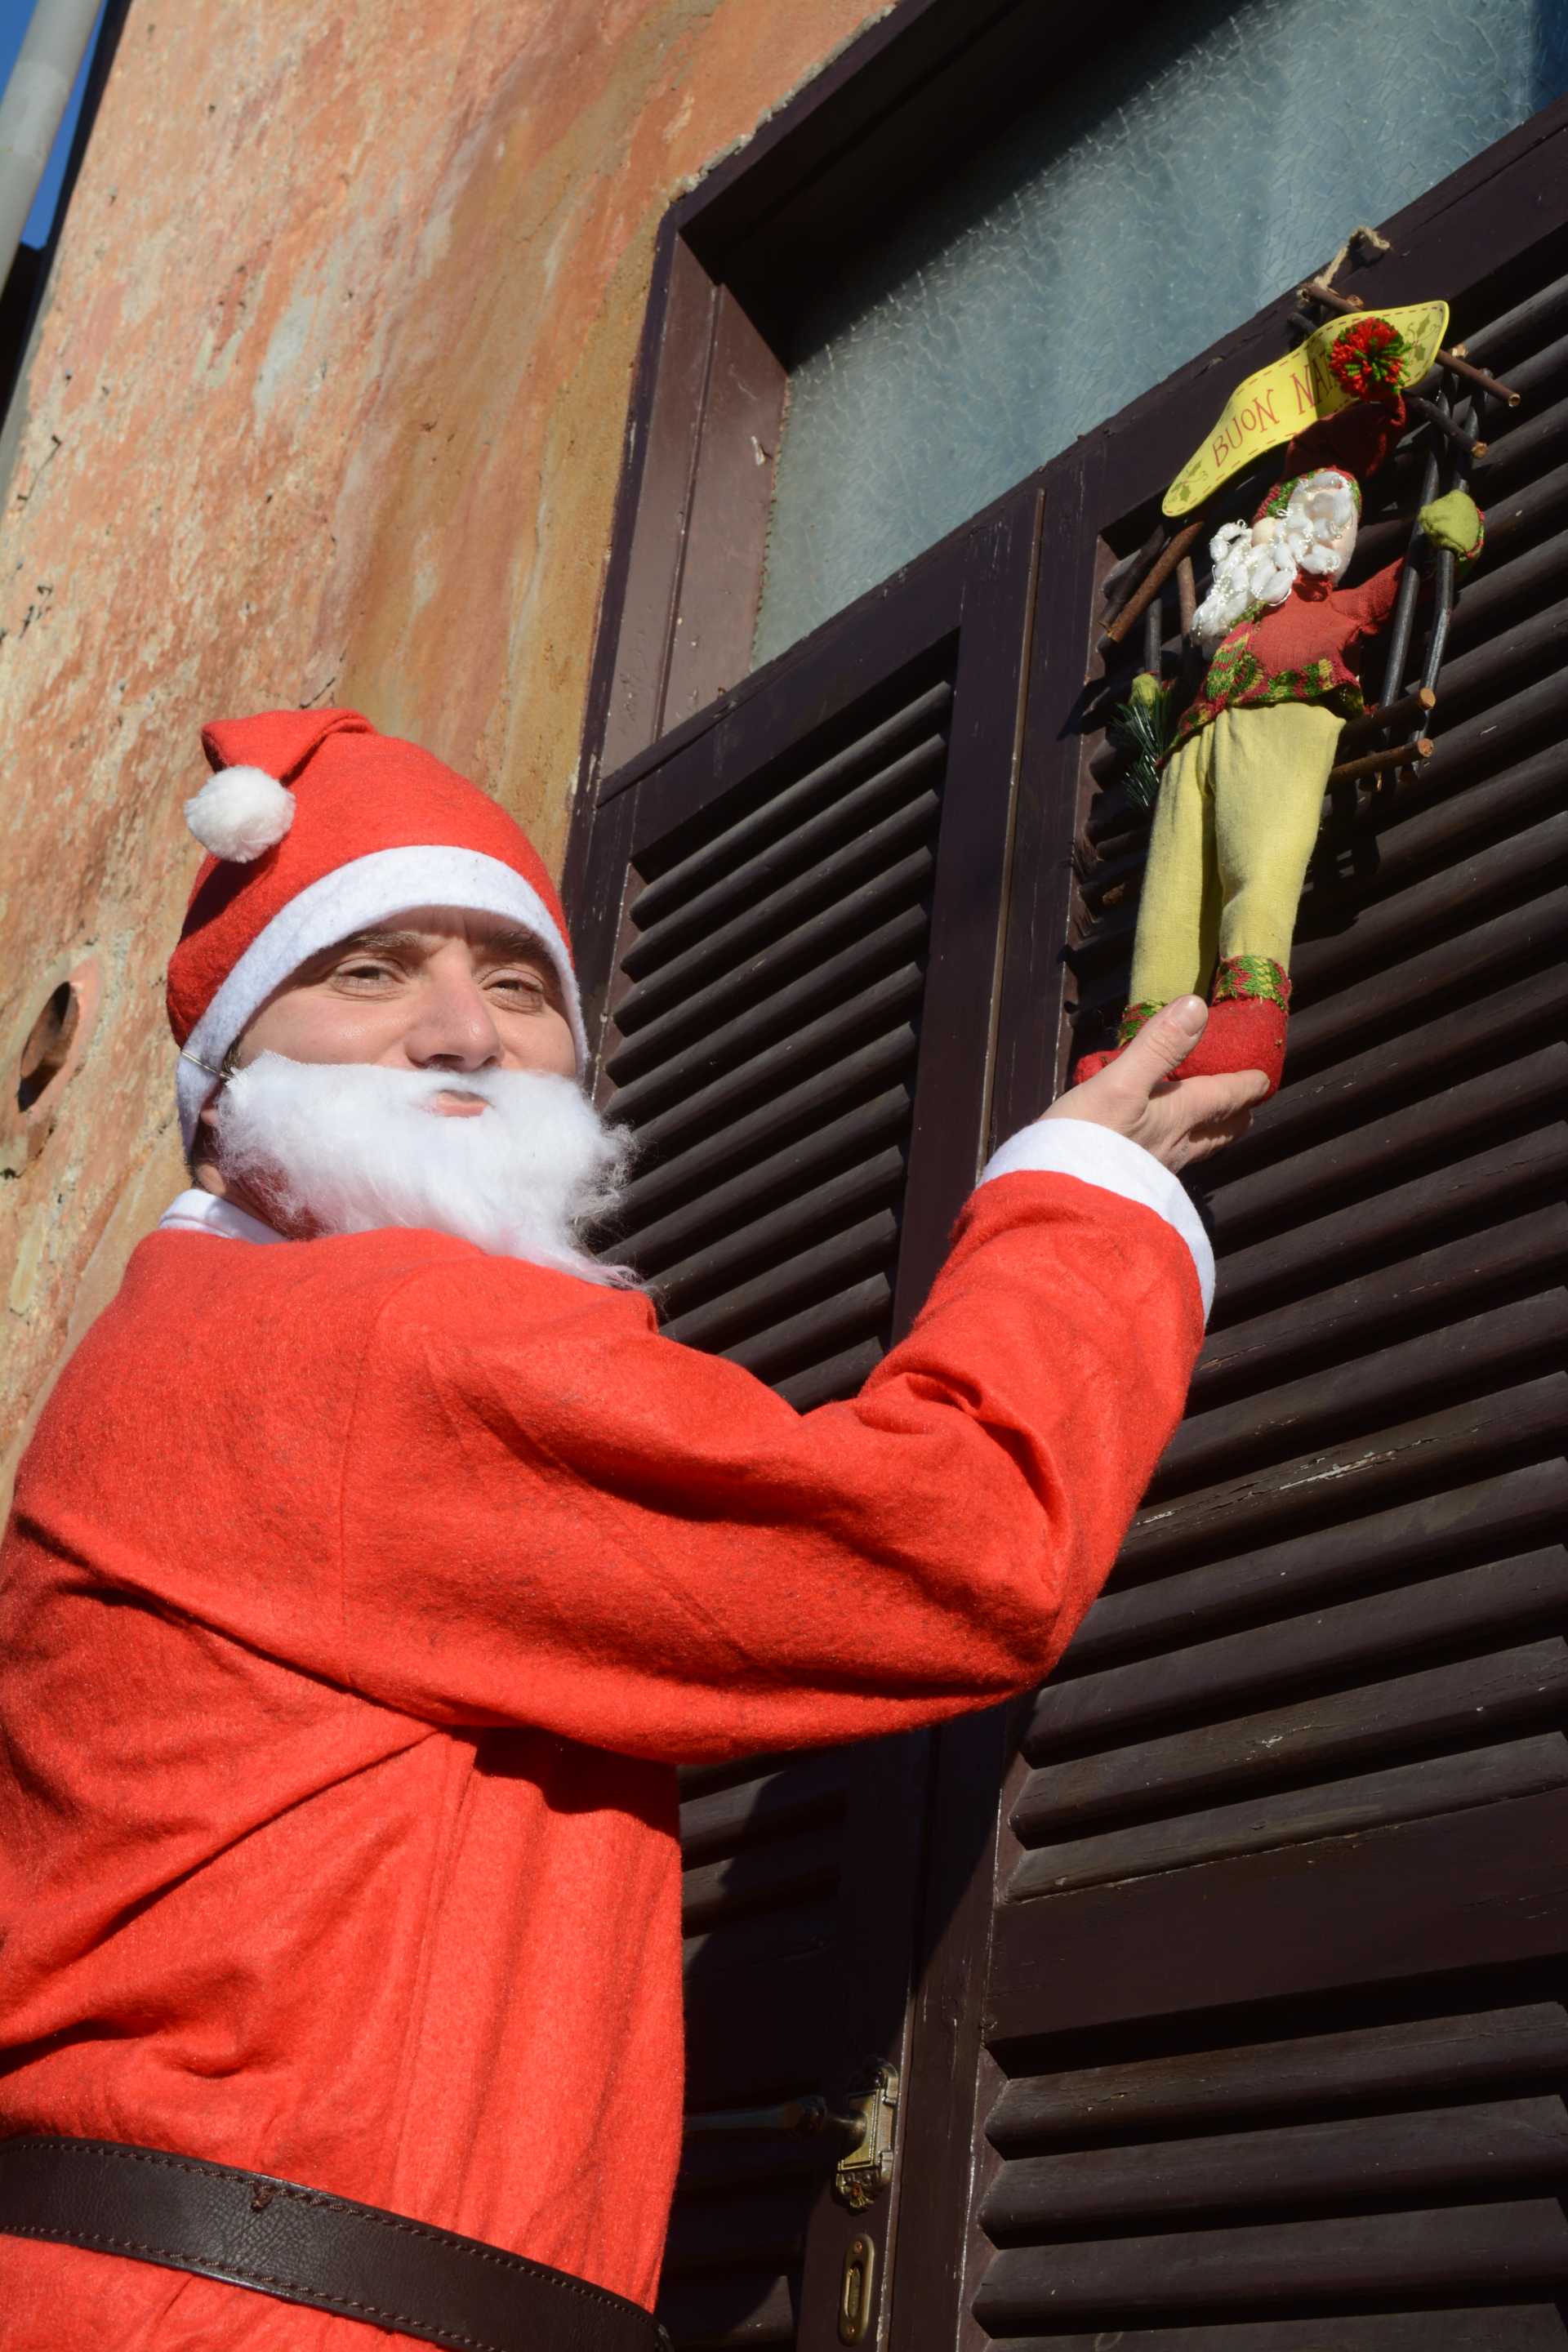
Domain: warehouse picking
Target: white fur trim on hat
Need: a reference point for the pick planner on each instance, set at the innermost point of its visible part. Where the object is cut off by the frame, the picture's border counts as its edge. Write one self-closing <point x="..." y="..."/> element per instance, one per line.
<point x="240" y="813"/>
<point x="367" y="890"/>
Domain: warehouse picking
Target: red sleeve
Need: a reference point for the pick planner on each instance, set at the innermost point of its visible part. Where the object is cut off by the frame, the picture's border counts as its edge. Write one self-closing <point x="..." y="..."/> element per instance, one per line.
<point x="551" y="1516"/>
<point x="1370" y="604"/>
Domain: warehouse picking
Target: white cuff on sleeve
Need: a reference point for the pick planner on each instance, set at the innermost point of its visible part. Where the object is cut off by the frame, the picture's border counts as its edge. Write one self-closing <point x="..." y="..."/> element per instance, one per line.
<point x="1096" y="1155"/>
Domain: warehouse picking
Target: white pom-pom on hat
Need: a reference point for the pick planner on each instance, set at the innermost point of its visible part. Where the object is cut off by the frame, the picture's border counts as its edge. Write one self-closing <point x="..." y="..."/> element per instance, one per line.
<point x="240" y="813"/>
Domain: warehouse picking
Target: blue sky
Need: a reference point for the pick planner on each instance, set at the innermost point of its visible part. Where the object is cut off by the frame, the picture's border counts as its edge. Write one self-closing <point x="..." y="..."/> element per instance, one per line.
<point x="15" y="16"/>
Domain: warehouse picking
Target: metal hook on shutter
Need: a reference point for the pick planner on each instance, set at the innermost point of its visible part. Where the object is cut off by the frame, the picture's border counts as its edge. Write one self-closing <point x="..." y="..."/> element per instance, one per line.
<point x="864" y="2123"/>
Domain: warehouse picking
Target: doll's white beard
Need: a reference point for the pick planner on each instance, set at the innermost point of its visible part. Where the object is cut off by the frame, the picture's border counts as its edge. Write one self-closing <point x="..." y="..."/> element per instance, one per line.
<point x="335" y="1148"/>
<point x="1248" y="571"/>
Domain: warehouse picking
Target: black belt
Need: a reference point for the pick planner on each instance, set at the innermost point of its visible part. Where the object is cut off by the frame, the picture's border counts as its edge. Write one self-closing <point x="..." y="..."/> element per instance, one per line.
<point x="251" y="2230"/>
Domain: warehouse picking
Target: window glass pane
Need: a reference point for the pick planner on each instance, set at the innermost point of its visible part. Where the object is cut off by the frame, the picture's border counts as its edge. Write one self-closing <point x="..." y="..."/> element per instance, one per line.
<point x="1159" y="197"/>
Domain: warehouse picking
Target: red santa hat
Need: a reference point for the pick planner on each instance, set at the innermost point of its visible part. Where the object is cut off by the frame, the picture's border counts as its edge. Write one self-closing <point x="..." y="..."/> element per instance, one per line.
<point x="316" y="826"/>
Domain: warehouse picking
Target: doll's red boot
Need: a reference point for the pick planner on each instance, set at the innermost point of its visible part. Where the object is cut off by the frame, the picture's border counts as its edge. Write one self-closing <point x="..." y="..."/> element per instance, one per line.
<point x="1132" y="1020"/>
<point x="1248" y="1009"/>
<point x="1247" y="1013"/>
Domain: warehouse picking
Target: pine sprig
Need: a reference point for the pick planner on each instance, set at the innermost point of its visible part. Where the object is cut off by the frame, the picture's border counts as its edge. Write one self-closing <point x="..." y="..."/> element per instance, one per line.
<point x="1142" y="728"/>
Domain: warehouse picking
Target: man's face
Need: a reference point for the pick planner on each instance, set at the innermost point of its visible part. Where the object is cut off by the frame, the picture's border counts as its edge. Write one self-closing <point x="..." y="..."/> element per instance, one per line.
<point x="435" y="989"/>
<point x="324" y="1123"/>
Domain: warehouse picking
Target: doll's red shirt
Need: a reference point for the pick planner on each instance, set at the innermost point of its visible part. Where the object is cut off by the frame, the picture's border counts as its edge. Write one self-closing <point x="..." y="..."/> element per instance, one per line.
<point x="360" y="1598"/>
<point x="1307" y="649"/>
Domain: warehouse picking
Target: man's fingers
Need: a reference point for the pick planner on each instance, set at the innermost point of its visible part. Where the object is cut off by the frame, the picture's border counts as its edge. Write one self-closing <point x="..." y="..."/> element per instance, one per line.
<point x="1163" y="1043"/>
<point x="1205" y="1140"/>
<point x="1203" y="1100"/>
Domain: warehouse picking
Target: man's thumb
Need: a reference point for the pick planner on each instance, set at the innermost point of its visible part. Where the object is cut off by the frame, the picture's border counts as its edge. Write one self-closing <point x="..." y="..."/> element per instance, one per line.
<point x="1166" y="1040"/>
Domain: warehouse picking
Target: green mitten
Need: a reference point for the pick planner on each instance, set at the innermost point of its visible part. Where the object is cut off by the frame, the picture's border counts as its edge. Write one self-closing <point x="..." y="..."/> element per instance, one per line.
<point x="1454" y="522"/>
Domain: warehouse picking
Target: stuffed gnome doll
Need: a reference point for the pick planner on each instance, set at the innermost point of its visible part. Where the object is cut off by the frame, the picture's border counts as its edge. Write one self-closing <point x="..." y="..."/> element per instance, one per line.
<point x="1242" y="786"/>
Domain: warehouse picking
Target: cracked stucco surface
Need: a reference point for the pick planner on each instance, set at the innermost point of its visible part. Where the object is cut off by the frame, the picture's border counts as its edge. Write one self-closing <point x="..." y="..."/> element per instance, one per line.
<point x="327" y="403"/>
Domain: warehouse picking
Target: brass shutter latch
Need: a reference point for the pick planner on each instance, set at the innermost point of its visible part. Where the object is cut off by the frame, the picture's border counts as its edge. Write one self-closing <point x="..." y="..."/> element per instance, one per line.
<point x="865" y="2124"/>
<point x="866" y="2168"/>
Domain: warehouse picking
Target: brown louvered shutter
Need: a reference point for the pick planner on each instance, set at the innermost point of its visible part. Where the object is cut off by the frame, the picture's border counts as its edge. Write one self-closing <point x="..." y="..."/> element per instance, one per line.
<point x="790" y="911"/>
<point x="1250" y="2015"/>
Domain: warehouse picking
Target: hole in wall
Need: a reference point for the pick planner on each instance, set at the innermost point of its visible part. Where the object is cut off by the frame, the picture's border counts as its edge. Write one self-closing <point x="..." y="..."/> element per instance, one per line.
<point x="48" y="1045"/>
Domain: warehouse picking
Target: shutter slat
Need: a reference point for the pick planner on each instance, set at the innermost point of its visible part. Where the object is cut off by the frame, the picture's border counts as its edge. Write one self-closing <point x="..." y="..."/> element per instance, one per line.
<point x="809" y="1788"/>
<point x="1372" y="1232"/>
<point x="1410" y="1542"/>
<point x="721" y="949"/>
<point x="1526" y="326"/>
<point x="767" y="1239"/>
<point x="1403" y="1792"/>
<point x="816" y="1332"/>
<point x="781" y="1142"/>
<point x="1467" y="754"/>
<point x="838" y="1260"/>
<point x="1431" y="2152"/>
<point x="1498" y="1598"/>
<point x="1505" y="1692"/>
<point x="761" y="1878"/>
<point x="1533" y="377"/>
<point x="1534" y="442"/>
<point x="775" y="1067"/>
<point x="823" y="990"/>
<point x="1331" y="1324"/>
<point x="1337" y="1400"/>
<point x="841" y="1376"/>
<point x="797" y="852"/>
<point x="1527" y="578"/>
<point x="1502" y="663"/>
<point x="1371" y="1158"/>
<point x="781" y="1937"/>
<point x="1495" y="1026"/>
<point x="1530" y="512"/>
<point x="1458" y="2249"/>
<point x="1367" y="2066"/>
<point x="1381" y="970"/>
<point x="729" y="2309"/>
<point x="731" y="846"/>
<point x="1458" y="899"/>
<point x="1427" y="830"/>
<point x="1491" y="2328"/>
<point x="643" y="1041"/>
<point x="1438" y="1449"/>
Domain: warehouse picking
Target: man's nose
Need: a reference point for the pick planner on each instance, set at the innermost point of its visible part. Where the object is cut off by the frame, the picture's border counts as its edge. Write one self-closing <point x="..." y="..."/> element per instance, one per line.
<point x="454" y="1027"/>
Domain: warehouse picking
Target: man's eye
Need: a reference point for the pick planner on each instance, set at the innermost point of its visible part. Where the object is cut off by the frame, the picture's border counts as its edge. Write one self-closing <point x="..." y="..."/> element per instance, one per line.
<point x="364" y="970"/>
<point x="521" y="984"/>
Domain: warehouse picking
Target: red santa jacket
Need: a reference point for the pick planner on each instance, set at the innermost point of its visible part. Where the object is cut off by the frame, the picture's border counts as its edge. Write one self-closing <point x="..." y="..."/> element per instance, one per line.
<point x="361" y="1595"/>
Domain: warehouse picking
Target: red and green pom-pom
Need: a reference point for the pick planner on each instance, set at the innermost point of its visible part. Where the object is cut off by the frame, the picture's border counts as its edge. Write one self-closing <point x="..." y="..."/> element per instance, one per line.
<point x="1368" y="359"/>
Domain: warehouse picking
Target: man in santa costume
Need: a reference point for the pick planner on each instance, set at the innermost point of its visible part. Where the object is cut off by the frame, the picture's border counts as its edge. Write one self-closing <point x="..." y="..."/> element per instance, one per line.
<point x="376" y="1561"/>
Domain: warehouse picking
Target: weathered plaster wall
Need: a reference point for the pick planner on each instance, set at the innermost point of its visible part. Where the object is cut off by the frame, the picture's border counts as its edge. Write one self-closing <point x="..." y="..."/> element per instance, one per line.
<point x="327" y="404"/>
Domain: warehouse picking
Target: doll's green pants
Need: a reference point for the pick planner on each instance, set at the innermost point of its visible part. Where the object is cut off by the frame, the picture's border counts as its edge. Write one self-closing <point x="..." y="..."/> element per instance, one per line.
<point x="1234" y="827"/>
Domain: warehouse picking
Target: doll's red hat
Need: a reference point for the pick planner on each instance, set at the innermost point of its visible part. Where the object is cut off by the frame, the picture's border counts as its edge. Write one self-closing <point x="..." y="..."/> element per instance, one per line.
<point x="316" y="825"/>
<point x="1354" y="442"/>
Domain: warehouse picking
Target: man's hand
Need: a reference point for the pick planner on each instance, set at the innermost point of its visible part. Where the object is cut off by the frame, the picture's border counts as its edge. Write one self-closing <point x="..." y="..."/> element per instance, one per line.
<point x="1178" y="1120"/>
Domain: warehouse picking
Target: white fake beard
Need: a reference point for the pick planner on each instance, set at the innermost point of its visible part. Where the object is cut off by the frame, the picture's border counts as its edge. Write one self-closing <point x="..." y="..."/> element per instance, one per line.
<point x="1248" y="571"/>
<point x="352" y="1147"/>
